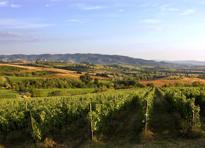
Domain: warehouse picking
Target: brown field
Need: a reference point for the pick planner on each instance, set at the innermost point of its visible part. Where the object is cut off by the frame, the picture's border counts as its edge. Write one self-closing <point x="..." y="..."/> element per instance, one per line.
<point x="173" y="82"/>
<point x="58" y="72"/>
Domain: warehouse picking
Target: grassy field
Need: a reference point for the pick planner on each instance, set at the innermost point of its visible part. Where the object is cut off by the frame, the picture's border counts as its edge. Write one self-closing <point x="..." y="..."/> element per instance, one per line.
<point x="7" y="68"/>
<point x="8" y="94"/>
<point x="11" y="94"/>
<point x="61" y="92"/>
<point x="19" y="79"/>
<point x="56" y="71"/>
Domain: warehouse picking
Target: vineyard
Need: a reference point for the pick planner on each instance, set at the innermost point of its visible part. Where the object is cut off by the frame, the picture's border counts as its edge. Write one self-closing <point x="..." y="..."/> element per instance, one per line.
<point x="132" y="115"/>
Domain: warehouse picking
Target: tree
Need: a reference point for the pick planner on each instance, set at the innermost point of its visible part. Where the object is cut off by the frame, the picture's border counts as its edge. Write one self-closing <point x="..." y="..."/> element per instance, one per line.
<point x="86" y="78"/>
<point x="125" y="83"/>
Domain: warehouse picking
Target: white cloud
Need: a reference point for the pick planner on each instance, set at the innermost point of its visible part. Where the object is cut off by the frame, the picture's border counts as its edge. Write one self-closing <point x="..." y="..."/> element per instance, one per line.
<point x="93" y="7"/>
<point x="201" y="2"/>
<point x="15" y="6"/>
<point x="22" y="24"/>
<point x="188" y="12"/>
<point x="121" y="10"/>
<point x="3" y="3"/>
<point x="151" y="21"/>
<point x="89" y="7"/>
<point x="74" y="21"/>
<point x="52" y="3"/>
<point x="151" y="24"/>
<point x="48" y="5"/>
<point x="167" y="8"/>
<point x="56" y="0"/>
<point x="77" y="21"/>
<point x="17" y="37"/>
<point x="6" y="3"/>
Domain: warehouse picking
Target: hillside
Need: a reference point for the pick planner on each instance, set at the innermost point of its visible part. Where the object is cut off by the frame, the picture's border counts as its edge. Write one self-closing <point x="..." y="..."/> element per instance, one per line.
<point x="89" y="58"/>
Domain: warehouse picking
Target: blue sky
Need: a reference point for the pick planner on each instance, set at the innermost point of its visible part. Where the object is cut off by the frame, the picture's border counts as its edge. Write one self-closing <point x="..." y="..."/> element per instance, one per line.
<point x="151" y="29"/>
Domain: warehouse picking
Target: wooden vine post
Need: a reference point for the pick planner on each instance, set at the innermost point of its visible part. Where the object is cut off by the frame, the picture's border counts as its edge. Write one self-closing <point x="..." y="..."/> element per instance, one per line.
<point x="91" y="121"/>
<point x="146" y="119"/>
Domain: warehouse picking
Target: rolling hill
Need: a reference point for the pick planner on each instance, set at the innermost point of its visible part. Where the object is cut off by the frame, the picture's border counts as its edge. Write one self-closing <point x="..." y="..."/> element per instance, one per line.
<point x="89" y="58"/>
<point x="101" y="59"/>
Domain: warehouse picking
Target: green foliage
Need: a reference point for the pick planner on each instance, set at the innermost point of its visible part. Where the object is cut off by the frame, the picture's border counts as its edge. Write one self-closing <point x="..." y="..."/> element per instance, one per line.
<point x="86" y="78"/>
<point x="3" y="81"/>
<point x="36" y="131"/>
<point x="76" y="67"/>
<point x="8" y="94"/>
<point x="127" y="83"/>
<point x="27" y="84"/>
<point x="147" y="108"/>
<point x="60" y="92"/>
<point x="9" y="69"/>
<point x="49" y="113"/>
<point x="94" y="113"/>
<point x="186" y="107"/>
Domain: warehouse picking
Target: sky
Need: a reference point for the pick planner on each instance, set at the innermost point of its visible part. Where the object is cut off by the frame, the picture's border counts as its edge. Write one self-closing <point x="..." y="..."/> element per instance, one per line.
<point x="149" y="29"/>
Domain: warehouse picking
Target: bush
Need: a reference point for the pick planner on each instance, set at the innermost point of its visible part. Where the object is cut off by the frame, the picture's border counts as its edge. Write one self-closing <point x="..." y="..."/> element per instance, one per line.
<point x="58" y="93"/>
<point x="196" y="83"/>
<point x="124" y="84"/>
<point x="86" y="78"/>
<point x="29" y="84"/>
<point x="150" y="84"/>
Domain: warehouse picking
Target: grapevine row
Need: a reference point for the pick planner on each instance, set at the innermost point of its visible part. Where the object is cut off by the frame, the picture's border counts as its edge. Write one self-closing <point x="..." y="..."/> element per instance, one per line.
<point x="45" y="115"/>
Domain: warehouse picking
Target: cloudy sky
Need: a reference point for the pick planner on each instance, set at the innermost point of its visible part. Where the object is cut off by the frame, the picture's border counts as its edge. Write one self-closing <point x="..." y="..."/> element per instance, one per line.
<point x="151" y="29"/>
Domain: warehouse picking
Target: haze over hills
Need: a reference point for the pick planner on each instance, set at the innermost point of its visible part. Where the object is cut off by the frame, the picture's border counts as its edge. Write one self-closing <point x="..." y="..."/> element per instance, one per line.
<point x="189" y="62"/>
<point x="78" y="58"/>
<point x="99" y="59"/>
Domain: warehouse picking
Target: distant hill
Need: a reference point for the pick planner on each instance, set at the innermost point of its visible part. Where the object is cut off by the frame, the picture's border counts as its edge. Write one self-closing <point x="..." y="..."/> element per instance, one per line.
<point x="89" y="58"/>
<point x="78" y="58"/>
<point x="194" y="63"/>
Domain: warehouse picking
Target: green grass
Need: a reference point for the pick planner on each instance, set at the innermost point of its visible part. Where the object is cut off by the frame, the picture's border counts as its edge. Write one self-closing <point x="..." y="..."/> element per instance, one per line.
<point x="18" y="79"/>
<point x="8" y="94"/>
<point x="10" y="69"/>
<point x="61" y="92"/>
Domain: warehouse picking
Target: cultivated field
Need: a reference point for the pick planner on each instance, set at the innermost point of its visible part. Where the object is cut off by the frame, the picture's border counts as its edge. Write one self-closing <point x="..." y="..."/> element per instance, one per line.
<point x="40" y="108"/>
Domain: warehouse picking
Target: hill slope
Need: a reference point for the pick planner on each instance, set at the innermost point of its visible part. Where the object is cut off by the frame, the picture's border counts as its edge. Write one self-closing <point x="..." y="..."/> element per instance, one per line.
<point x="90" y="58"/>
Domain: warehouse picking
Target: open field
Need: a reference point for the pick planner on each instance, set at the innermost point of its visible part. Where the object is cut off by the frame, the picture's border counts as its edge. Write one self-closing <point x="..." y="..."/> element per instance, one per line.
<point x="58" y="72"/>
